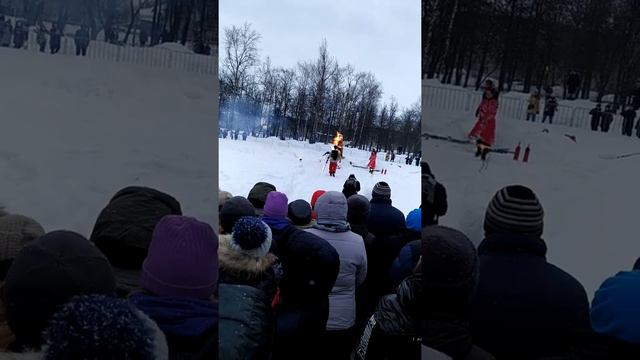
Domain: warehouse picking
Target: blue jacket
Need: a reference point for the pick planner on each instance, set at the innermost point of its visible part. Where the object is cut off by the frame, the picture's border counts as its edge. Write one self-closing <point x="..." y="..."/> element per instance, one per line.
<point x="615" y="310"/>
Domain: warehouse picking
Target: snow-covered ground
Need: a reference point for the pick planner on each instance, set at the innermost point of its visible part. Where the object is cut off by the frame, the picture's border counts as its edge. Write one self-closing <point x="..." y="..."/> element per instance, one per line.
<point x="74" y="131"/>
<point x="591" y="204"/>
<point x="244" y="163"/>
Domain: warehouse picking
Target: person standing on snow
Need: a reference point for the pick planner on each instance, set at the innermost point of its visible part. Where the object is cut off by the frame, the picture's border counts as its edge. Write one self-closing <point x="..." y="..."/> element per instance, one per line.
<point x="55" y="38"/>
<point x="484" y="131"/>
<point x="596" y="117"/>
<point x="550" y="107"/>
<point x="533" y="109"/>
<point x="607" y="118"/>
<point x="334" y="158"/>
<point x="20" y="34"/>
<point x="7" y="33"/>
<point x="372" y="161"/>
<point x="41" y="37"/>
<point x="82" y="38"/>
<point x="629" y="116"/>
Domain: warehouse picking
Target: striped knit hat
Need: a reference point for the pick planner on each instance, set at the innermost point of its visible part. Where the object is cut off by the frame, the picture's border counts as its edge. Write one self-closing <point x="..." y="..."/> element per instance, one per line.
<point x="514" y="209"/>
<point x="381" y="191"/>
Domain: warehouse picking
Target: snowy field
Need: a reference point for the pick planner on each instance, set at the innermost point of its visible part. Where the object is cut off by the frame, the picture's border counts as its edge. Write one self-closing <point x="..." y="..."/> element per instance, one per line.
<point x="244" y="163"/>
<point x="591" y="204"/>
<point x="76" y="130"/>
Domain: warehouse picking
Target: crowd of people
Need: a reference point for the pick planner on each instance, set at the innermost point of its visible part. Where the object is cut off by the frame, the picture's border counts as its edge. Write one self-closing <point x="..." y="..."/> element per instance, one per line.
<point x="318" y="278"/>
<point x="18" y="36"/>
<point x="142" y="286"/>
<point x="503" y="299"/>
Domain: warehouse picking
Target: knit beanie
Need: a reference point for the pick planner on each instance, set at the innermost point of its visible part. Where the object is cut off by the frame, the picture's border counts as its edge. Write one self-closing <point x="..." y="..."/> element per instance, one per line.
<point x="414" y="220"/>
<point x="46" y="274"/>
<point x="276" y="205"/>
<point x="514" y="209"/>
<point x="234" y="209"/>
<point x="182" y="260"/>
<point x="251" y="236"/>
<point x="96" y="326"/>
<point x="16" y="231"/>
<point x="381" y="191"/>
<point x="449" y="267"/>
<point x="358" y="209"/>
<point x="258" y="194"/>
<point x="299" y="212"/>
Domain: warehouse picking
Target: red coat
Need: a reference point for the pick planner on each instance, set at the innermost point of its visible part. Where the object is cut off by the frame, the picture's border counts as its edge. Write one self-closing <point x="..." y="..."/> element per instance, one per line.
<point x="485" y="127"/>
<point x="372" y="161"/>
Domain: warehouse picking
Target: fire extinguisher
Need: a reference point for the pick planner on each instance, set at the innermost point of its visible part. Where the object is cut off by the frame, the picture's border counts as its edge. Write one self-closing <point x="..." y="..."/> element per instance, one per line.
<point x="516" y="153"/>
<point x="526" y="154"/>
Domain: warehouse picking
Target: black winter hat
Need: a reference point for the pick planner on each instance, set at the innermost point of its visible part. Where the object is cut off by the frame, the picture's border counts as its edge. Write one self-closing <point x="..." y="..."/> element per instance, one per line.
<point x="358" y="211"/>
<point x="300" y="212"/>
<point x="449" y="268"/>
<point x="258" y="194"/>
<point x="46" y="274"/>
<point x="514" y="209"/>
<point x="232" y="210"/>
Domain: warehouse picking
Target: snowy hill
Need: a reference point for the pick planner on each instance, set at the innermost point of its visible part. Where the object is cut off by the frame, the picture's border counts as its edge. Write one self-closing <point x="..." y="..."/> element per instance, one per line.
<point x="244" y="163"/>
<point x="591" y="204"/>
<point x="76" y="130"/>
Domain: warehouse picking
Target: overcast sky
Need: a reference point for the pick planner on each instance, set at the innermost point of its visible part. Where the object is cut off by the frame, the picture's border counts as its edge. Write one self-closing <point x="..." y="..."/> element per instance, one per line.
<point x="379" y="36"/>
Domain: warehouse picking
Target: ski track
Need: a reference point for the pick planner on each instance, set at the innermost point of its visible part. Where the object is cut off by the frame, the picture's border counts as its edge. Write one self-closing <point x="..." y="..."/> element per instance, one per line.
<point x="243" y="163"/>
<point x="590" y="203"/>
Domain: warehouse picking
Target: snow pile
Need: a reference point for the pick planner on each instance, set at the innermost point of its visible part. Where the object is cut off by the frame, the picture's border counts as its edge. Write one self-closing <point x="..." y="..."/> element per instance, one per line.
<point x="244" y="163"/>
<point x="76" y="132"/>
<point x="591" y="206"/>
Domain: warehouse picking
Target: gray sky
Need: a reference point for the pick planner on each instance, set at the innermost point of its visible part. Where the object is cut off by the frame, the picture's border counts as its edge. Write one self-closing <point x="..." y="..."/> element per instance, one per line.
<point x="379" y="36"/>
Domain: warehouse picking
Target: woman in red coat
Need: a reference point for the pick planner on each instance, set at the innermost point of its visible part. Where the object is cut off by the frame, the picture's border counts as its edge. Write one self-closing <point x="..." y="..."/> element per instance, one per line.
<point x="484" y="130"/>
<point x="372" y="161"/>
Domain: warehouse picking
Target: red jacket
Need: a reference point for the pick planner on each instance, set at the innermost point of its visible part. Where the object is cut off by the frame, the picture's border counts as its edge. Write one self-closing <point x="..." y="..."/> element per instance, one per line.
<point x="485" y="127"/>
<point x="372" y="161"/>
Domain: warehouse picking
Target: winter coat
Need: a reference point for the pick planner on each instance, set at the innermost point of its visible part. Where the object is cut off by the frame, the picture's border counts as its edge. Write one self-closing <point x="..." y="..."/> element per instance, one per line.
<point x="525" y="307"/>
<point x="434" y="199"/>
<point x="20" y="35"/>
<point x="406" y="262"/>
<point x="485" y="127"/>
<point x="534" y="105"/>
<point x="54" y="41"/>
<point x="82" y="38"/>
<point x="351" y="187"/>
<point x="6" y="35"/>
<point x="239" y="269"/>
<point x="353" y="271"/>
<point x="615" y="318"/>
<point x="124" y="228"/>
<point x="41" y="37"/>
<point x="607" y="119"/>
<point x="384" y="219"/>
<point x="310" y="269"/>
<point x="372" y="161"/>
<point x="396" y="333"/>
<point x="188" y="324"/>
<point x="246" y="323"/>
<point x="550" y="105"/>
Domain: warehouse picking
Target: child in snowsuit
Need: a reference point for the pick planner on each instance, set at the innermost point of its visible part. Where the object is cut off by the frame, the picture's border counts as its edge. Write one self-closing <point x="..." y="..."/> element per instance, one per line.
<point x="596" y="117"/>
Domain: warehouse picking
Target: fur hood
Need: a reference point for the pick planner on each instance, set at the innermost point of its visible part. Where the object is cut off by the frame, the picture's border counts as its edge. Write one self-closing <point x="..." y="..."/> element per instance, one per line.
<point x="239" y="264"/>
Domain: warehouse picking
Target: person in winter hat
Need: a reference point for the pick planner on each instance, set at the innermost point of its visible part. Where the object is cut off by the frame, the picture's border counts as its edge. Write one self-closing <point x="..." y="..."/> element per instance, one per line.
<point x="351" y="186"/>
<point x="310" y="269"/>
<point x="45" y="275"/>
<point x="332" y="226"/>
<point x="124" y="228"/>
<point x="234" y="209"/>
<point x="314" y="198"/>
<point x="524" y="306"/>
<point x="258" y="195"/>
<point x="409" y="255"/>
<point x="179" y="278"/>
<point x="615" y="316"/>
<point x="299" y="212"/>
<point x="384" y="219"/>
<point x="450" y="269"/>
<point x="223" y="196"/>
<point x="247" y="287"/>
<point x="596" y="117"/>
<point x="434" y="197"/>
<point x="16" y="231"/>
<point x="97" y="326"/>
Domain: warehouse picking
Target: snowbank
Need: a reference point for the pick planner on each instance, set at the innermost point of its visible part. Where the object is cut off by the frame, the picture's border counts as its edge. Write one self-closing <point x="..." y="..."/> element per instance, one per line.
<point x="176" y="47"/>
<point x="75" y="131"/>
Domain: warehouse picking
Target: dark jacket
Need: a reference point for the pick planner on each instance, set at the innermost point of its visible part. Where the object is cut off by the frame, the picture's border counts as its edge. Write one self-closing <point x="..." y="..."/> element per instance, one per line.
<point x="246" y="323"/>
<point x="351" y="187"/>
<point x="384" y="219"/>
<point x="395" y="334"/>
<point x="525" y="307"/>
<point x="310" y="269"/>
<point x="188" y="324"/>
<point x="406" y="262"/>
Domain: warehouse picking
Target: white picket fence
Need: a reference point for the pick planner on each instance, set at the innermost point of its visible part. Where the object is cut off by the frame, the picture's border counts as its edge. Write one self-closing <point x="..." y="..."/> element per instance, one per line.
<point x="511" y="108"/>
<point x="145" y="56"/>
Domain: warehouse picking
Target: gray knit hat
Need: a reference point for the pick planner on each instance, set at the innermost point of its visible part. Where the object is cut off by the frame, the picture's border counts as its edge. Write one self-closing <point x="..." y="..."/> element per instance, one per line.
<point x="381" y="190"/>
<point x="514" y="209"/>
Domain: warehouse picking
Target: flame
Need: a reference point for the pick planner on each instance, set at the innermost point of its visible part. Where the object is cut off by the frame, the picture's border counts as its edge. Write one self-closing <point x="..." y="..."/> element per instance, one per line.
<point x="337" y="140"/>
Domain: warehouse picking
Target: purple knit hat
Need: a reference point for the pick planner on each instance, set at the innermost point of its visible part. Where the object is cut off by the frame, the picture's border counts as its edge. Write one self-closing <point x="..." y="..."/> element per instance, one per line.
<point x="276" y="206"/>
<point x="182" y="259"/>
